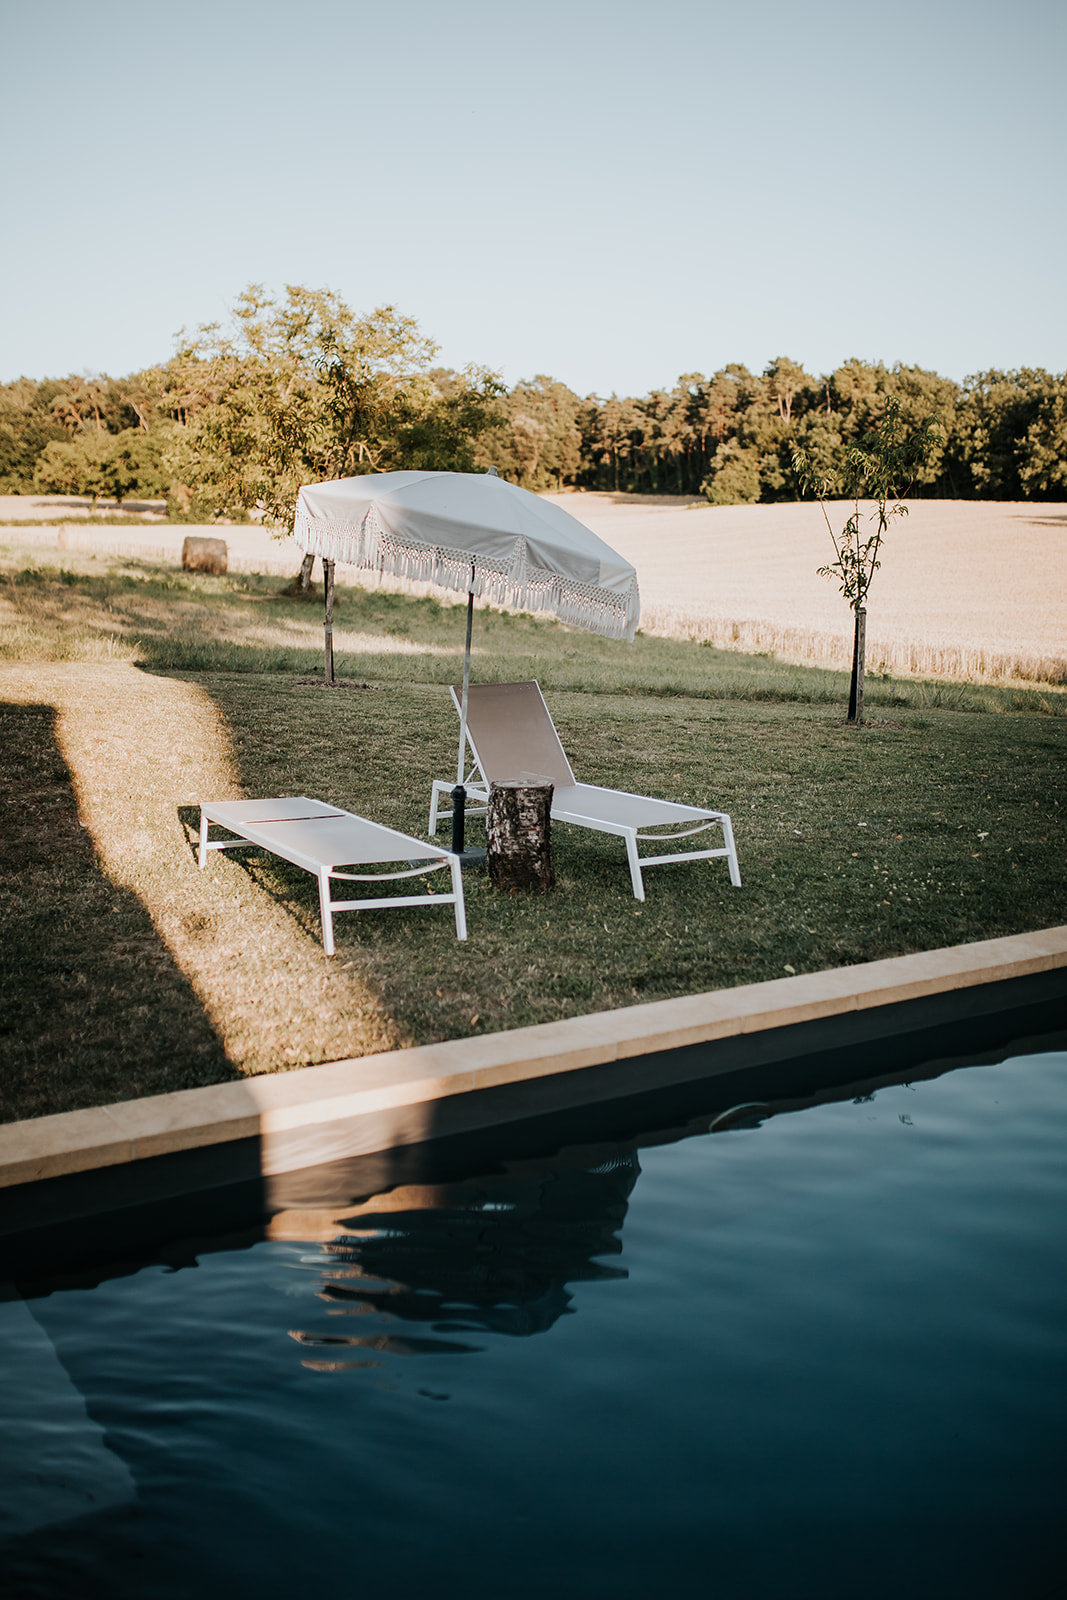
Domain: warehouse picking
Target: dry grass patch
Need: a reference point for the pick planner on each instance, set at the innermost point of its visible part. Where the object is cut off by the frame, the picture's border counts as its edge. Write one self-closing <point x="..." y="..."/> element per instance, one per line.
<point x="125" y="970"/>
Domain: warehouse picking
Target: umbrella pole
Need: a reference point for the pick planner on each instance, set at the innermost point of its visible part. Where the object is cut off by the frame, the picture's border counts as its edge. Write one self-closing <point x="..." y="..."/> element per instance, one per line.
<point x="459" y="793"/>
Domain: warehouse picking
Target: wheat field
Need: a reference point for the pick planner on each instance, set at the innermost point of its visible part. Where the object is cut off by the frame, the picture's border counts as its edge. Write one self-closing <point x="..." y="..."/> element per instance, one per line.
<point x="966" y="589"/>
<point x="973" y="590"/>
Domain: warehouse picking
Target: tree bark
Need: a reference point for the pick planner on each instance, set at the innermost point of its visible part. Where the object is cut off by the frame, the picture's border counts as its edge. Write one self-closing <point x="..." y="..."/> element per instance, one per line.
<point x="302" y="585"/>
<point x="518" y="826"/>
<point x="859" y="650"/>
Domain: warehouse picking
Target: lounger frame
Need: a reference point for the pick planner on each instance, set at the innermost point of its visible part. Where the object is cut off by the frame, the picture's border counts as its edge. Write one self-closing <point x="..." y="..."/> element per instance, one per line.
<point x="294" y="828"/>
<point x="587" y="805"/>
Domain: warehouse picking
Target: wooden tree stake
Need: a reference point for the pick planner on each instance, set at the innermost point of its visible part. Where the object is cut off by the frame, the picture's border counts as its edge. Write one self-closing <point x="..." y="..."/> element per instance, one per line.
<point x="859" y="651"/>
<point x="327" y="574"/>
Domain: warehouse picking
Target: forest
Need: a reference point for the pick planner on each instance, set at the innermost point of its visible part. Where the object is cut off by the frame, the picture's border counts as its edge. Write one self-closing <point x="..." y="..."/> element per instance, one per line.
<point x="298" y="388"/>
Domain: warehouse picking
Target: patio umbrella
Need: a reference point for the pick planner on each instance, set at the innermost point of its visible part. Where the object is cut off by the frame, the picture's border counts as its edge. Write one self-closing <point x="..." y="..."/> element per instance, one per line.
<point x="476" y="534"/>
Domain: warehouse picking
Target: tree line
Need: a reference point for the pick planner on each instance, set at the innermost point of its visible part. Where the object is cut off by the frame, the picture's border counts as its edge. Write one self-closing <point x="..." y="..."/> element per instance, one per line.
<point x="299" y="388"/>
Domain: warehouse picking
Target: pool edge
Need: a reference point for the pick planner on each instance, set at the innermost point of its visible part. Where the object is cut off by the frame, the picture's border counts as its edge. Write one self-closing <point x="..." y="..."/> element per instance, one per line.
<point x="275" y="1109"/>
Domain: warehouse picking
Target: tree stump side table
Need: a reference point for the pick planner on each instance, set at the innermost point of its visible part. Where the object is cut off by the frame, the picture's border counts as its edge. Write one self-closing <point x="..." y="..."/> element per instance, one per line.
<point x="518" y="828"/>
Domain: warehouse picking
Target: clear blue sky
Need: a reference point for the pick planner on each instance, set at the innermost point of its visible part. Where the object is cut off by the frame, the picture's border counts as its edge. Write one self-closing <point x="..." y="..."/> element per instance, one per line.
<point x="609" y="191"/>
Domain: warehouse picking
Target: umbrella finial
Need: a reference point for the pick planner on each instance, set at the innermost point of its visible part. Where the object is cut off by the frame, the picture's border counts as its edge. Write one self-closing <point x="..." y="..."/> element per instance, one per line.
<point x="492" y="473"/>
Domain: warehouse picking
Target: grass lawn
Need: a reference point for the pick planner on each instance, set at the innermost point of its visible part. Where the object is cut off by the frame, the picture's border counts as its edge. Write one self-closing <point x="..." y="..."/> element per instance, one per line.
<point x="128" y="692"/>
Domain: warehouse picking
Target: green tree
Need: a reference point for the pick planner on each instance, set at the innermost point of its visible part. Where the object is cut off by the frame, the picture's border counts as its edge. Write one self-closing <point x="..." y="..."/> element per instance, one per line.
<point x="665" y="433"/>
<point x="726" y="398"/>
<point x="1043" y="453"/>
<point x="718" y="404"/>
<point x="689" y="432"/>
<point x="610" y="434"/>
<point x="81" y="402"/>
<point x="881" y="467"/>
<point x="296" y="391"/>
<point x="134" y="463"/>
<point x="73" y="466"/>
<point x="27" y="426"/>
<point x="1006" y="435"/>
<point x="785" y="381"/>
<point x="448" y="414"/>
<point x="922" y="394"/>
<point x="856" y="393"/>
<point x="536" y="438"/>
<point x="104" y="465"/>
<point x="734" y="479"/>
<point x="301" y="390"/>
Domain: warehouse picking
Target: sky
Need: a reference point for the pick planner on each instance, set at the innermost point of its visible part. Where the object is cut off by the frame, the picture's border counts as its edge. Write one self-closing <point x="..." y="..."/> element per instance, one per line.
<point x="610" y="192"/>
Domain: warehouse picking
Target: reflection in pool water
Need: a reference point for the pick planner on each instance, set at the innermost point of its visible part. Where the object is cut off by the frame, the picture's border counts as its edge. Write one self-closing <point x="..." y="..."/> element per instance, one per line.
<point x="818" y="1355"/>
<point x="495" y="1254"/>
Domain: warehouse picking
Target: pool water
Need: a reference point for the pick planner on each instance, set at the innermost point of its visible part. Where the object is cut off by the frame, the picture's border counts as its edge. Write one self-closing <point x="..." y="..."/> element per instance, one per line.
<point x="820" y="1354"/>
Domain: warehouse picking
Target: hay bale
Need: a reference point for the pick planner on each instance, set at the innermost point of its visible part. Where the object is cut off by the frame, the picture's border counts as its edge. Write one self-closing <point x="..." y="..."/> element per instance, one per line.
<point x="204" y="555"/>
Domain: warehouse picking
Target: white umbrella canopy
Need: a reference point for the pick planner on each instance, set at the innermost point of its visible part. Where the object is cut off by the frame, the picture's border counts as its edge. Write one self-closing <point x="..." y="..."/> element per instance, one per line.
<point x="476" y="534"/>
<point x="473" y="533"/>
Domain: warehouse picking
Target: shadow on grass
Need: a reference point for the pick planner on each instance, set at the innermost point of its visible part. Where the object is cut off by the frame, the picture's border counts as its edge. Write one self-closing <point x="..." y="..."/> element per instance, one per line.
<point x="83" y="964"/>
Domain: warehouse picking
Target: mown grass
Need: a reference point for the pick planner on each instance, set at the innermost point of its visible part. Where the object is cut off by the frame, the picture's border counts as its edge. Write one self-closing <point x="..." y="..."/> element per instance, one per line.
<point x="126" y="971"/>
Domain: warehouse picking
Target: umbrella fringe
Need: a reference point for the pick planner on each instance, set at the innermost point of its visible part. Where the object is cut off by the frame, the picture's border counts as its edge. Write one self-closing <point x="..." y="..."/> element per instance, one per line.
<point x="520" y="584"/>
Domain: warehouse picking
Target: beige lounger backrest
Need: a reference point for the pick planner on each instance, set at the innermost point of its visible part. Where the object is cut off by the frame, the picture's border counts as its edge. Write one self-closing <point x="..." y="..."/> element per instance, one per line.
<point x="512" y="734"/>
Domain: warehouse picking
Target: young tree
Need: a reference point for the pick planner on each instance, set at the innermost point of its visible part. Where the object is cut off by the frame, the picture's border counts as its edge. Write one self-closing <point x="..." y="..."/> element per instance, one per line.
<point x="881" y="467"/>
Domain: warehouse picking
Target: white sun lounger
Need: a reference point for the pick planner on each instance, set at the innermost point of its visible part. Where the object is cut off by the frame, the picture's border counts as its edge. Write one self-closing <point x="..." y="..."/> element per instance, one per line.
<point x="321" y="839"/>
<point x="512" y="736"/>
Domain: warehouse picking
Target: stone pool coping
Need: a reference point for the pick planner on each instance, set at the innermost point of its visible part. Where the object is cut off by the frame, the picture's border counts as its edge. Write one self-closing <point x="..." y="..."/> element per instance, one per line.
<point x="273" y="1107"/>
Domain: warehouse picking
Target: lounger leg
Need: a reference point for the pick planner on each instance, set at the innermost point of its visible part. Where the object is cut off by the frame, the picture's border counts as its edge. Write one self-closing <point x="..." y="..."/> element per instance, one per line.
<point x="203" y="840"/>
<point x="457" y="890"/>
<point x="728" y="840"/>
<point x="439" y="788"/>
<point x="325" y="910"/>
<point x="635" y="865"/>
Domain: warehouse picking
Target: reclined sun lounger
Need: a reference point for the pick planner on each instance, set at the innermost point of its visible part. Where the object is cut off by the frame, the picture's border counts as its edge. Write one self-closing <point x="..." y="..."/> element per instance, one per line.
<point x="321" y="839"/>
<point x="512" y="736"/>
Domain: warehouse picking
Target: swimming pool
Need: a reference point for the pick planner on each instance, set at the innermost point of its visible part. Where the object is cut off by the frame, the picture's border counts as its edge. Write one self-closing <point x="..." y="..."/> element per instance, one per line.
<point x="817" y="1353"/>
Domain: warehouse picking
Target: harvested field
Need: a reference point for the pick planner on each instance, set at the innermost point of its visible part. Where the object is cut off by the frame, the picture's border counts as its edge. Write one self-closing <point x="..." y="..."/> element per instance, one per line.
<point x="967" y="589"/>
